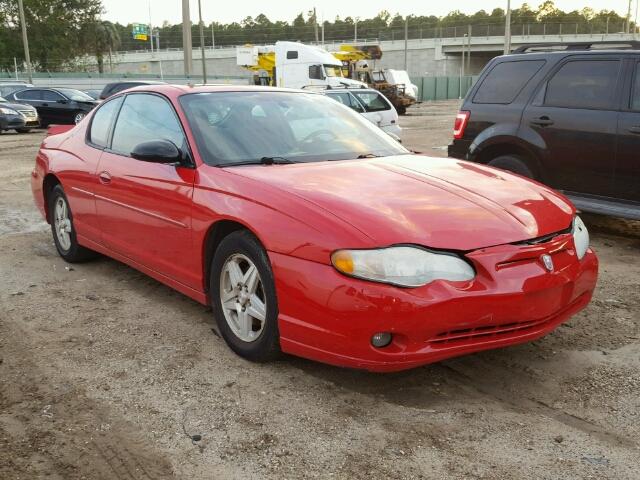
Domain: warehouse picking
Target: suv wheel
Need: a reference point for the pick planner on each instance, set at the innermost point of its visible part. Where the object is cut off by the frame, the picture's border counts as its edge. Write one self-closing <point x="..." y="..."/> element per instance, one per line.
<point x="512" y="163"/>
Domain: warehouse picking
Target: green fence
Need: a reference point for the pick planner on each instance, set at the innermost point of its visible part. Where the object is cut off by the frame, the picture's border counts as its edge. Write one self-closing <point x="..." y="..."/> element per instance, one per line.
<point x="443" y="88"/>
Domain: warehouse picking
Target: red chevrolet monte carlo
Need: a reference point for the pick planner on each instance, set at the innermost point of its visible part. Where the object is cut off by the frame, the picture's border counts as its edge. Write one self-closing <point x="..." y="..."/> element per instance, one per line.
<point x="310" y="231"/>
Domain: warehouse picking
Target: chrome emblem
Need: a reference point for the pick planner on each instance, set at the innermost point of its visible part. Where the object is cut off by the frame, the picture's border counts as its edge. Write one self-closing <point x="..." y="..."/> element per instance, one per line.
<point x="547" y="261"/>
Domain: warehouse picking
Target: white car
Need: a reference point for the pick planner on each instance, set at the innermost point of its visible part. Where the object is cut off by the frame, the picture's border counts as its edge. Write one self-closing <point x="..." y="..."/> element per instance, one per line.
<point x="371" y="104"/>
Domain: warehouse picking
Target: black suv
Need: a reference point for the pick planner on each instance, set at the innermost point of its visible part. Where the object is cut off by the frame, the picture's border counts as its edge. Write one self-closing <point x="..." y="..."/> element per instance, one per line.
<point x="567" y="115"/>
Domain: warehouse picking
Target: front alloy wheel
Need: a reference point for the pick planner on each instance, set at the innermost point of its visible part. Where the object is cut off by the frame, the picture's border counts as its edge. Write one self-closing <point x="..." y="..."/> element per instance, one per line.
<point x="242" y="298"/>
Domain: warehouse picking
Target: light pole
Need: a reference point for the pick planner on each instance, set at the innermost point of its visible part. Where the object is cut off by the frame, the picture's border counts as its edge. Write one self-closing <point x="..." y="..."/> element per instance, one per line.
<point x="204" y="61"/>
<point x="25" y="41"/>
<point x="507" y="30"/>
<point x="186" y="38"/>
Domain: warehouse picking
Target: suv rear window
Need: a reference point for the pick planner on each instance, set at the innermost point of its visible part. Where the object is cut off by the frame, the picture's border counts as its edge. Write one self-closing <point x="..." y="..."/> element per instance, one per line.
<point x="506" y="80"/>
<point x="589" y="84"/>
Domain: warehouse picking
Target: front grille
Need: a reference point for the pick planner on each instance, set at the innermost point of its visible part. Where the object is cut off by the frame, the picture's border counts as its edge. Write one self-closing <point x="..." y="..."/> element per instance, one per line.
<point x="485" y="332"/>
<point x="29" y="114"/>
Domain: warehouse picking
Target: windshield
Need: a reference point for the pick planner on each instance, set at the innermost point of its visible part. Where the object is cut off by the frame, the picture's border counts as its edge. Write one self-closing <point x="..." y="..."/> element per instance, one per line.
<point x="75" y="95"/>
<point x="333" y="71"/>
<point x="232" y="127"/>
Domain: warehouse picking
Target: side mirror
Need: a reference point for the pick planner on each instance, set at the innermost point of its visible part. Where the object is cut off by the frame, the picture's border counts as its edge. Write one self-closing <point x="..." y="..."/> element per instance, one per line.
<point x="61" y="101"/>
<point x="157" y="151"/>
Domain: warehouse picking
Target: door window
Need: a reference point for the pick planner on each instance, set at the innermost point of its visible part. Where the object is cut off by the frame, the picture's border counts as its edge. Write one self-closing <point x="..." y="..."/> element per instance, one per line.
<point x="144" y="118"/>
<point x="50" y="96"/>
<point x="635" y="94"/>
<point x="29" y="95"/>
<point x="101" y="122"/>
<point x="587" y="84"/>
<point x="347" y="99"/>
<point x="315" y="72"/>
<point x="506" y="80"/>
<point x="372" y="101"/>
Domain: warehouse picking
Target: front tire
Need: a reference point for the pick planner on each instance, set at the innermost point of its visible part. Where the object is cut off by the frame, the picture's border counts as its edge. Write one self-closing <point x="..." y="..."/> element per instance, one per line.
<point x="64" y="233"/>
<point x="512" y="163"/>
<point x="243" y="297"/>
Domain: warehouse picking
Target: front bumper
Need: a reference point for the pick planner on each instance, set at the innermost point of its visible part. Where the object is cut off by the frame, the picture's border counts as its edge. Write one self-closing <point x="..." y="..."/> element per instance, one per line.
<point x="8" y="122"/>
<point x="331" y="318"/>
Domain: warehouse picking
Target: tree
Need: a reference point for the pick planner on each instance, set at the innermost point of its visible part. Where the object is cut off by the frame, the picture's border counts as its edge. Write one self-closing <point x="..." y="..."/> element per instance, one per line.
<point x="104" y="37"/>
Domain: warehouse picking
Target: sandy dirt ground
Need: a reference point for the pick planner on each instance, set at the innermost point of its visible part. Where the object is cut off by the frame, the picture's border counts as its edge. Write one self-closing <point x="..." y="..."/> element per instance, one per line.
<point x="107" y="374"/>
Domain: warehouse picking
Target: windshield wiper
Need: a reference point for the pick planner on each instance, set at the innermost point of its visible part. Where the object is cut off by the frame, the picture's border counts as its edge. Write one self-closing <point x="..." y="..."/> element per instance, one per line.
<point x="368" y="155"/>
<point x="259" y="161"/>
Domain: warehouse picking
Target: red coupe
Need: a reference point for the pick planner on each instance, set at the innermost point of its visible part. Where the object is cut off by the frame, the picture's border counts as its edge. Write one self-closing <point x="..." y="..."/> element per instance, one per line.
<point x="309" y="230"/>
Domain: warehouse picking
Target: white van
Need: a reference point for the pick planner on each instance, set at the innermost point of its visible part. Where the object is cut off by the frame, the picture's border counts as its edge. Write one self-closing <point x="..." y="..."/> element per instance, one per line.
<point x="371" y="104"/>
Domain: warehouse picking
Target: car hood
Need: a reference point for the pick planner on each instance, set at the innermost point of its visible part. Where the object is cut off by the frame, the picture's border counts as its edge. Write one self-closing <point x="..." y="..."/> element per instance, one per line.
<point x="16" y="106"/>
<point x="435" y="202"/>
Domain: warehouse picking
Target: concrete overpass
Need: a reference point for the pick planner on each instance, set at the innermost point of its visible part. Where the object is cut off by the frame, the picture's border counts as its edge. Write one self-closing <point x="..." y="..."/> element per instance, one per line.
<point x="425" y="57"/>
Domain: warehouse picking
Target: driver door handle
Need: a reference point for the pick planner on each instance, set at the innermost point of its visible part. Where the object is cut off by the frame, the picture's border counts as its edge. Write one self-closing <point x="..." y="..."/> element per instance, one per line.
<point x="543" y="121"/>
<point x="104" y="178"/>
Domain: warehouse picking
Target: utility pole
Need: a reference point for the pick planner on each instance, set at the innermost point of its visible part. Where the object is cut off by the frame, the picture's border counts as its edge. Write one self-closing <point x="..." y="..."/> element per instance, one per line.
<point x="315" y="24"/>
<point x="150" y="29"/>
<point x="629" y="18"/>
<point x="355" y="31"/>
<point x="204" y="60"/>
<point x="25" y="41"/>
<point x="635" y="26"/>
<point x="406" y="41"/>
<point x="186" y="38"/>
<point x="469" y="51"/>
<point x="213" y="37"/>
<point x="507" y="30"/>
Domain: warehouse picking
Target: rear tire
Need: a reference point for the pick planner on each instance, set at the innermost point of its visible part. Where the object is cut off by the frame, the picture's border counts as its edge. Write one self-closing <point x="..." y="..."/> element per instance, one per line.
<point x="512" y="163"/>
<point x="64" y="233"/>
<point x="243" y="297"/>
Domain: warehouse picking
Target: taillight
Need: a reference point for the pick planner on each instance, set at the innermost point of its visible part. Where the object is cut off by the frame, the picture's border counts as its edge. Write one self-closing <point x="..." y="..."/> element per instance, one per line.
<point x="462" y="119"/>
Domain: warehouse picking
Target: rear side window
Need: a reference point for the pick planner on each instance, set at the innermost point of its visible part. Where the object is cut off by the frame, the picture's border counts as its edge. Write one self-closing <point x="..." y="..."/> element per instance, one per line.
<point x="584" y="84"/>
<point x="101" y="123"/>
<point x="29" y="95"/>
<point x="347" y="99"/>
<point x="372" y="101"/>
<point x="506" y="80"/>
<point x="635" y="95"/>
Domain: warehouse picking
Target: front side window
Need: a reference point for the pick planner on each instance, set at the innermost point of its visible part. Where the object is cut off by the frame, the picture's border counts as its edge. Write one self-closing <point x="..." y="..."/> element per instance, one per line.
<point x="315" y="72"/>
<point x="50" y="96"/>
<point x="144" y="118"/>
<point x="101" y="122"/>
<point x="75" y="95"/>
<point x="232" y="127"/>
<point x="587" y="84"/>
<point x="373" y="101"/>
<point x="635" y="94"/>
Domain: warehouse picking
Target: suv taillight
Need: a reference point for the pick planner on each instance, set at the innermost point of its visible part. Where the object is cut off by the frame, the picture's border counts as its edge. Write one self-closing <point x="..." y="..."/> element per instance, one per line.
<point x="461" y="123"/>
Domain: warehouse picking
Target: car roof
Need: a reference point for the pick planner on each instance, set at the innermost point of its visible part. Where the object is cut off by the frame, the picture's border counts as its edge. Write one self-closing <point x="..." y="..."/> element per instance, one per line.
<point x="565" y="53"/>
<point x="172" y="90"/>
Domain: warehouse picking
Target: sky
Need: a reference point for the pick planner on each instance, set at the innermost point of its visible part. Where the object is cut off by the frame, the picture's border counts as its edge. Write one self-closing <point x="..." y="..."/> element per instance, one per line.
<point x="137" y="11"/>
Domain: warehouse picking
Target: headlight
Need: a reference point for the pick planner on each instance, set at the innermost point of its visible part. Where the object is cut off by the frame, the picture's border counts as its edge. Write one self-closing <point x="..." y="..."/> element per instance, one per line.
<point x="580" y="237"/>
<point x="8" y="111"/>
<point x="403" y="266"/>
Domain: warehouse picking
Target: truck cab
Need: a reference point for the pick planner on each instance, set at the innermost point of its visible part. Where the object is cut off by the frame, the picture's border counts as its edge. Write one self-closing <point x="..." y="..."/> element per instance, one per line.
<point x="294" y="65"/>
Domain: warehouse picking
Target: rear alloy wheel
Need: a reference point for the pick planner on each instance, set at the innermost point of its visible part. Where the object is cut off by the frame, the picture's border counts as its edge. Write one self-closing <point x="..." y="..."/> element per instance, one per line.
<point x="512" y="163"/>
<point x="243" y="297"/>
<point x="78" y="118"/>
<point x="64" y="235"/>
